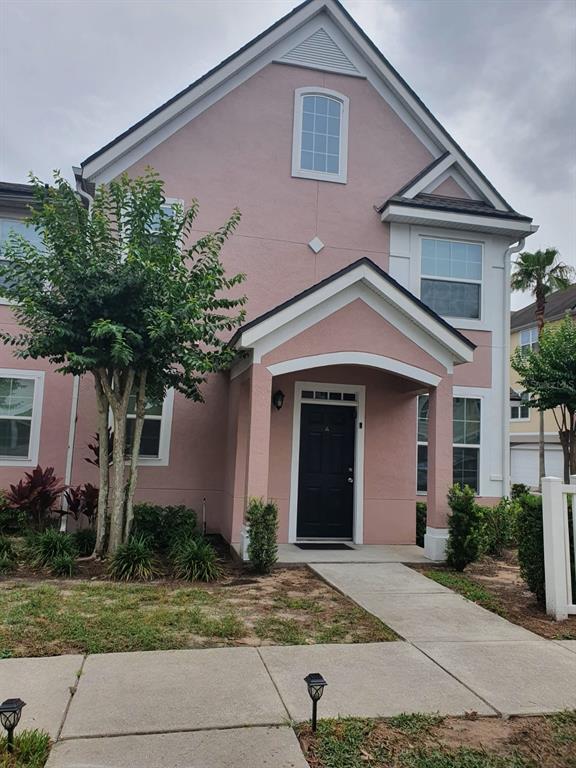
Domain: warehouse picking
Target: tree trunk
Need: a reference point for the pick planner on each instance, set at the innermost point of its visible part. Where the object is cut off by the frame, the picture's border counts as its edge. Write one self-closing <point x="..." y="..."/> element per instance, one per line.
<point x="101" y="517"/>
<point x="118" y="397"/>
<point x="133" y="477"/>
<point x="565" y="440"/>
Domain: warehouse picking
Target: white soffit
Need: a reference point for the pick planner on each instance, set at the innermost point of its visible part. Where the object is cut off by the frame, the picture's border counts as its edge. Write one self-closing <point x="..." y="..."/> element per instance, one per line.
<point x="320" y="51"/>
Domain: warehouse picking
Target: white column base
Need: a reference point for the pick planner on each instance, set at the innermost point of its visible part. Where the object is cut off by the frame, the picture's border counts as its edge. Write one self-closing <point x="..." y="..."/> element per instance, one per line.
<point x="435" y="541"/>
<point x="244" y="541"/>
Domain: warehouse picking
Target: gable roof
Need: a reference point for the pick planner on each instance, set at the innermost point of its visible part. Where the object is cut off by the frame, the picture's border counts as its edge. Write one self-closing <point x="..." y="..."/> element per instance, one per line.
<point x="435" y="325"/>
<point x="453" y="204"/>
<point x="156" y="122"/>
<point x="557" y="305"/>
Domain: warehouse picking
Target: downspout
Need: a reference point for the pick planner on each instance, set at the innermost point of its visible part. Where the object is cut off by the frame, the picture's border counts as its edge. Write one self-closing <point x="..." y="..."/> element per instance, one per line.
<point x="76" y="382"/>
<point x="506" y="367"/>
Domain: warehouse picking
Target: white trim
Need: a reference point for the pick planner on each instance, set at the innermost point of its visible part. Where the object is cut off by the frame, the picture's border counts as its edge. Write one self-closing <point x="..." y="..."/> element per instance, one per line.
<point x="424" y="216"/>
<point x="31" y="460"/>
<point x="366" y="359"/>
<point x="435" y="334"/>
<point x="429" y="178"/>
<point x="358" y="514"/>
<point x="303" y="173"/>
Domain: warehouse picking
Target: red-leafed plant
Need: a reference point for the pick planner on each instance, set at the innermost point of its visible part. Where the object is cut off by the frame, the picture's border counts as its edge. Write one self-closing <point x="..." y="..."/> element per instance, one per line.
<point x="94" y="449"/>
<point x="36" y="495"/>
<point x="82" y="500"/>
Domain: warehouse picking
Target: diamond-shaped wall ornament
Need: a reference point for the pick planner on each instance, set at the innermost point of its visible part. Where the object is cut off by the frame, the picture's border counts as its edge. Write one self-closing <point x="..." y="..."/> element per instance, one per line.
<point x="316" y="244"/>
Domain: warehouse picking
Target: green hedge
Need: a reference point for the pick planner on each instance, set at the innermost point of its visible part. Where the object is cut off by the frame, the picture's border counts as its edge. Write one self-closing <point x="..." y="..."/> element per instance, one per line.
<point x="421" y="512"/>
<point x="161" y="526"/>
<point x="463" y="528"/>
<point x="531" y="544"/>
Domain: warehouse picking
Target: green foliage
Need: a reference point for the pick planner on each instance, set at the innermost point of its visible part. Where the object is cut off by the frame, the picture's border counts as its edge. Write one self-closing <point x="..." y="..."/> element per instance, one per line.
<point x="467" y="588"/>
<point x="531" y="545"/>
<point x="498" y="527"/>
<point x="194" y="559"/>
<point x="262" y="522"/>
<point x="82" y="500"/>
<point x="31" y="750"/>
<point x="280" y="631"/>
<point x="134" y="561"/>
<point x="463" y="757"/>
<point x="7" y="555"/>
<point x="63" y="564"/>
<point x="549" y="376"/>
<point x="36" y="496"/>
<point x="463" y="528"/>
<point x="11" y="520"/>
<point x="163" y="526"/>
<point x="541" y="273"/>
<point x="46" y="547"/>
<point x="85" y="539"/>
<point x="518" y="490"/>
<point x="421" y="512"/>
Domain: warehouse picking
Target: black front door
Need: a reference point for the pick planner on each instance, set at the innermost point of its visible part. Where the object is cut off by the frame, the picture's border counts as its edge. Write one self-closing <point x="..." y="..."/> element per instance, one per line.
<point x="326" y="471"/>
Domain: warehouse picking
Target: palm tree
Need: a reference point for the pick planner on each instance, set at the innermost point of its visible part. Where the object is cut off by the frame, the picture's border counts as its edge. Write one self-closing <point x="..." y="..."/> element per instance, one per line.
<point x="540" y="273"/>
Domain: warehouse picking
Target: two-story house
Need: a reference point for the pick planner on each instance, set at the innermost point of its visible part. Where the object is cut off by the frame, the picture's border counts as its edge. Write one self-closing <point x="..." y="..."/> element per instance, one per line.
<point x="377" y="255"/>
<point x="525" y="421"/>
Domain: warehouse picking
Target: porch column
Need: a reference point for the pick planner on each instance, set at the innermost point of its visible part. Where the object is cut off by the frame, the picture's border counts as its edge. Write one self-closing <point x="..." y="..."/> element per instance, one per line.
<point x="260" y="407"/>
<point x="440" y="468"/>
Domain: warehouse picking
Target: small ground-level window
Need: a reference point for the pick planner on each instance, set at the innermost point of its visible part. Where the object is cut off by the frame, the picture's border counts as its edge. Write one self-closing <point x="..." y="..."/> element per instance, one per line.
<point x="20" y="414"/>
<point x="155" y="441"/>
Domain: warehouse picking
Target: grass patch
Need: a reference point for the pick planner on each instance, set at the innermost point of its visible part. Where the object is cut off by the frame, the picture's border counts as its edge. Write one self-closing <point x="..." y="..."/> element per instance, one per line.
<point x="289" y="607"/>
<point x="430" y="741"/>
<point x="468" y="588"/>
<point x="31" y="750"/>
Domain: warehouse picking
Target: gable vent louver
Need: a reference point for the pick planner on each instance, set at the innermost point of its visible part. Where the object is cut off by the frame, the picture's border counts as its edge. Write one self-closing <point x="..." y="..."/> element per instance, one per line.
<point x="321" y="52"/>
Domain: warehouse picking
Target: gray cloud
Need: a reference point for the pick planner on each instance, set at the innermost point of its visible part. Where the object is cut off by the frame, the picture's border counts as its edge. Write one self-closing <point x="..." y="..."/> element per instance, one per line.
<point x="500" y="75"/>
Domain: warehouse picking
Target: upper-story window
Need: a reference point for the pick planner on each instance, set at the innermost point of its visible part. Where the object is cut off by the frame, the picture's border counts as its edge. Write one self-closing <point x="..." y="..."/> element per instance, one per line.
<point x="529" y="339"/>
<point x="520" y="409"/>
<point x="451" y="277"/>
<point x="320" y="143"/>
<point x="20" y="227"/>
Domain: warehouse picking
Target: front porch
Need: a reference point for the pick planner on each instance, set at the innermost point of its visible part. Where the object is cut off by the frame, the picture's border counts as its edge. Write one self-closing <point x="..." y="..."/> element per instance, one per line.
<point x="323" y="419"/>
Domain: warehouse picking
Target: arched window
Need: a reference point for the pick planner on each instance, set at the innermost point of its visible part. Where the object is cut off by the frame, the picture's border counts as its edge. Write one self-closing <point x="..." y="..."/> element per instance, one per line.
<point x="320" y="143"/>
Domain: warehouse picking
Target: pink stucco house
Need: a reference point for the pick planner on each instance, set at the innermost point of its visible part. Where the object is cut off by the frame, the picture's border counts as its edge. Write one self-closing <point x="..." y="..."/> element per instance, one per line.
<point x="377" y="258"/>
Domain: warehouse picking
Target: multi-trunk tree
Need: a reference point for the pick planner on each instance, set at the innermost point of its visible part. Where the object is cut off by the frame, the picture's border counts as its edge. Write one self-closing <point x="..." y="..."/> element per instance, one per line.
<point x="118" y="292"/>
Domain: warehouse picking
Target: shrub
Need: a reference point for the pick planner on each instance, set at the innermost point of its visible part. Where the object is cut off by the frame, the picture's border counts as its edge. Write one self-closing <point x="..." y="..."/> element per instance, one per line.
<point x="85" y="540"/>
<point x="498" y="527"/>
<point x="162" y="526"/>
<point x="262" y="521"/>
<point x="518" y="490"/>
<point x="134" y="561"/>
<point x="195" y="559"/>
<point x="463" y="528"/>
<point x="531" y="544"/>
<point x="43" y="548"/>
<point x="82" y="500"/>
<point x="11" y="520"/>
<point x="36" y="495"/>
<point x="7" y="554"/>
<point x="63" y="564"/>
<point x="421" y="512"/>
<point x="31" y="750"/>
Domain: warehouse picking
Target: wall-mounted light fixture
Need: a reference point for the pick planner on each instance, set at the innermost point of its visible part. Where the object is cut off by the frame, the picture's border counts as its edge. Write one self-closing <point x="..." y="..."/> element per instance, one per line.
<point x="278" y="399"/>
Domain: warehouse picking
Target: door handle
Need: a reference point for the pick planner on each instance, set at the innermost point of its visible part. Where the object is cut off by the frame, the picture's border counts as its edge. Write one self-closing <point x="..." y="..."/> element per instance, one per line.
<point x="350" y="480"/>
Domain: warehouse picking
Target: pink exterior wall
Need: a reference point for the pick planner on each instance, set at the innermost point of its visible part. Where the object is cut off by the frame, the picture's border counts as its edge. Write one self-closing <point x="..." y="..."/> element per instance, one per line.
<point x="478" y="373"/>
<point x="450" y="188"/>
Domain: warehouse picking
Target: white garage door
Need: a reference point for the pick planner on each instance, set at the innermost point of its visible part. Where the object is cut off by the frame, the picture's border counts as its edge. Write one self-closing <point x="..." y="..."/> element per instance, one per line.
<point x="524" y="464"/>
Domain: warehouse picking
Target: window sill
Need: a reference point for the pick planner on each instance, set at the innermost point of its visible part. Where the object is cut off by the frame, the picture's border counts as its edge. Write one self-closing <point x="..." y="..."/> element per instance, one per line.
<point x="335" y="178"/>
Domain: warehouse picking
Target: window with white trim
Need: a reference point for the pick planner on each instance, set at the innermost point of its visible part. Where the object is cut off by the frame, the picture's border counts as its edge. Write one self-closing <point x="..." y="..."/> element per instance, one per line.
<point x="451" y="277"/>
<point x="20" y="413"/>
<point x="155" y="441"/>
<point x="520" y="409"/>
<point x="20" y="227"/>
<point x="529" y="340"/>
<point x="320" y="140"/>
<point x="466" y="442"/>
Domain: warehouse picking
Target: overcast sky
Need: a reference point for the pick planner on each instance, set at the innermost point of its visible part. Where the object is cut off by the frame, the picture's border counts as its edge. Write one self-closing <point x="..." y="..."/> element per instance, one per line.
<point x="499" y="74"/>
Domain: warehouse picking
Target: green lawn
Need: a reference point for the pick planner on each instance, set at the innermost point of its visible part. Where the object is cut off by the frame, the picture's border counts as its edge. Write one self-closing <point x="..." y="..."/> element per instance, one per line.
<point x="51" y="618"/>
<point x="468" y="588"/>
<point x="31" y="750"/>
<point x="430" y="741"/>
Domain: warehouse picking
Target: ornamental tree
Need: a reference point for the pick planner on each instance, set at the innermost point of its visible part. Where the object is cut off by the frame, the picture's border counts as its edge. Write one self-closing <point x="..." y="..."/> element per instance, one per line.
<point x="117" y="292"/>
<point x="549" y="376"/>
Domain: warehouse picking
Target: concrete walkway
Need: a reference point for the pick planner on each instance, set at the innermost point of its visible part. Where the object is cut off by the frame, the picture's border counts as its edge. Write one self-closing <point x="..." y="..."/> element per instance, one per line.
<point x="233" y="706"/>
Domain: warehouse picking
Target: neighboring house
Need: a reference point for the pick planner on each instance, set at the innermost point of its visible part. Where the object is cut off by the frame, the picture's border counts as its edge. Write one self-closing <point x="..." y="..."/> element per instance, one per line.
<point x="377" y="258"/>
<point x="525" y="421"/>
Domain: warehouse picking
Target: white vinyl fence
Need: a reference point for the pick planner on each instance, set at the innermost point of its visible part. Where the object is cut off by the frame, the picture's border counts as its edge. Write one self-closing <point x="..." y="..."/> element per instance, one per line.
<point x="559" y="563"/>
